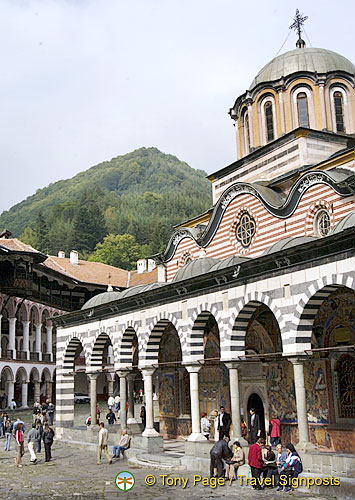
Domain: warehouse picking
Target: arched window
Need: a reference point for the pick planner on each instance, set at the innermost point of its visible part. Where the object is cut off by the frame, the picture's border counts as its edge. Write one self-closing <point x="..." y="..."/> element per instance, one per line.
<point x="246" y="133"/>
<point x="339" y="111"/>
<point x="302" y="110"/>
<point x="269" y="122"/>
<point x="345" y="369"/>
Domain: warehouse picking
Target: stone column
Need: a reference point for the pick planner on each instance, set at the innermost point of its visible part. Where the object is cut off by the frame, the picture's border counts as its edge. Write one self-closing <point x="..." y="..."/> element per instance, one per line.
<point x="322" y="106"/>
<point x="130" y="414"/>
<point x="1" y="354"/>
<point x="37" y="391"/>
<point x="235" y="402"/>
<point x="24" y="392"/>
<point x="251" y="125"/>
<point x="196" y="434"/>
<point x="49" y="389"/>
<point x="282" y="112"/>
<point x="110" y="387"/>
<point x="148" y="392"/>
<point x="49" y="330"/>
<point x="38" y="346"/>
<point x="93" y="397"/>
<point x="10" y="392"/>
<point x="26" y="338"/>
<point x="123" y="399"/>
<point x="301" y="403"/>
<point x="12" y="334"/>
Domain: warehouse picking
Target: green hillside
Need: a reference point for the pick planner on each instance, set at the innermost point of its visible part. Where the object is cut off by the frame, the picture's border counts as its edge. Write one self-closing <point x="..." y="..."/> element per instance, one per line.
<point x="143" y="193"/>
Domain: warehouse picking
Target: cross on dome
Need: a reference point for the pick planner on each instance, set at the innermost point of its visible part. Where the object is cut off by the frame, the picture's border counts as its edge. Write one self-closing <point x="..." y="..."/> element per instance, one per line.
<point x="297" y="24"/>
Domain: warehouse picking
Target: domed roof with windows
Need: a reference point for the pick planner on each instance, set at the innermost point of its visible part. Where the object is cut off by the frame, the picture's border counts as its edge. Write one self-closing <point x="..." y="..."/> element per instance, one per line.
<point x="303" y="59"/>
<point x="101" y="298"/>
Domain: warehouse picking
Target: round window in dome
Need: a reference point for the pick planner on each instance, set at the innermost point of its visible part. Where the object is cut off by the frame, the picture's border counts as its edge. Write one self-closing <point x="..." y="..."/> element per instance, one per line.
<point x="245" y="229"/>
<point x="322" y="223"/>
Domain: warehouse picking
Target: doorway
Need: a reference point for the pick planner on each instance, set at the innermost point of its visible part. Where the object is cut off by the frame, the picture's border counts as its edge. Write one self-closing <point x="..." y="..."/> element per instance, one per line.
<point x="255" y="402"/>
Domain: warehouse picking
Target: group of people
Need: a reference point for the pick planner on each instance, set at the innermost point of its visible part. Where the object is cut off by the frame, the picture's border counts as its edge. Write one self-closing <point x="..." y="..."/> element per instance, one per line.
<point x="222" y="423"/>
<point x="44" y="412"/>
<point x="113" y="405"/>
<point x="123" y="445"/>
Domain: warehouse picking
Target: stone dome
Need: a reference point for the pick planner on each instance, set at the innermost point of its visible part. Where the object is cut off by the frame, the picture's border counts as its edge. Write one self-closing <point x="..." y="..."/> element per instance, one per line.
<point x="290" y="242"/>
<point x="195" y="268"/>
<point x="233" y="260"/>
<point x="346" y="223"/>
<point x="303" y="60"/>
<point x="101" y="298"/>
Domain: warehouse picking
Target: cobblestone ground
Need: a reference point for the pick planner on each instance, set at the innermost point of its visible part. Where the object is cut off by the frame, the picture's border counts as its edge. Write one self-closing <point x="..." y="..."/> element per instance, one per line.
<point x="73" y="473"/>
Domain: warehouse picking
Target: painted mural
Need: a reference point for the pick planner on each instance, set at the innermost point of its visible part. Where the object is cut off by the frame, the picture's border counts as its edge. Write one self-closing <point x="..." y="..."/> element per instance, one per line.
<point x="281" y="391"/>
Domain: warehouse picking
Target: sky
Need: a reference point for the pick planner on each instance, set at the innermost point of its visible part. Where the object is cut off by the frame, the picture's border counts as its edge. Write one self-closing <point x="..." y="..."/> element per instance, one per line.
<point x="83" y="81"/>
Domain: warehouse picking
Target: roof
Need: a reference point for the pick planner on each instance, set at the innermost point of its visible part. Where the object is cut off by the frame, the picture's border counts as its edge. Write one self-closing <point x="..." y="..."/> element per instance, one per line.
<point x="306" y="59"/>
<point x="143" y="278"/>
<point x="195" y="268"/>
<point x="17" y="245"/>
<point x="291" y="241"/>
<point x="233" y="260"/>
<point x="88" y="272"/>
<point x="347" y="222"/>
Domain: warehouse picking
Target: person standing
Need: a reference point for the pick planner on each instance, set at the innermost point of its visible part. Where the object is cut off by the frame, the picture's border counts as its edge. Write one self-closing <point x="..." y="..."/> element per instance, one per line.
<point x="236" y="461"/>
<point x="98" y="413"/>
<point x="13" y="407"/>
<point x="205" y="426"/>
<point x="8" y="433"/>
<point x="36" y="411"/>
<point x="50" y="413"/>
<point x="48" y="437"/>
<point x="117" y="403"/>
<point x="255" y="461"/>
<point x="19" y="444"/>
<point x="111" y="417"/>
<point x="33" y="437"/>
<point x="103" y="439"/>
<point x="143" y="415"/>
<point x="110" y="402"/>
<point x="254" y="426"/>
<point x="123" y="445"/>
<point x="39" y="427"/>
<point x="274" y="431"/>
<point x="224" y="423"/>
<point x="220" y="450"/>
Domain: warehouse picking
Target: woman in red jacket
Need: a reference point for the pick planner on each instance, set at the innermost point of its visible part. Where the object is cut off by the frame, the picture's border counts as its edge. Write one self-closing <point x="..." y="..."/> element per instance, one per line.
<point x="19" y="443"/>
<point x="255" y="461"/>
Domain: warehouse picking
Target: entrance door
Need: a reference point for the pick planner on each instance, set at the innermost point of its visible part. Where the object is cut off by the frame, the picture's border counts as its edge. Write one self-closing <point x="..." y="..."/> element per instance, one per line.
<point x="255" y="402"/>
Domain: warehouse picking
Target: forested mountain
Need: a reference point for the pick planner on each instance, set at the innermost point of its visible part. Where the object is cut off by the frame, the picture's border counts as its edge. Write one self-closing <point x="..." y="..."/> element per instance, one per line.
<point x="143" y="193"/>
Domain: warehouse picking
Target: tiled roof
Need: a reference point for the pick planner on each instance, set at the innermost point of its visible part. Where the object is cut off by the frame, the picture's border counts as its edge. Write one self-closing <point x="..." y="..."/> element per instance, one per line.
<point x="143" y="278"/>
<point x="88" y="272"/>
<point x="16" y="245"/>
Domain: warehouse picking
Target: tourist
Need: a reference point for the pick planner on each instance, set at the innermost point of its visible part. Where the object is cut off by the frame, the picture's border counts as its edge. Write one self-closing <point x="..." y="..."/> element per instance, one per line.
<point x="3" y="401"/>
<point x="88" y="421"/>
<point x="140" y="396"/>
<point x="205" y="425"/>
<point x="36" y="411"/>
<point x="123" y="444"/>
<point x="19" y="421"/>
<point x="13" y="407"/>
<point x="2" y="425"/>
<point x="274" y="431"/>
<point x="39" y="427"/>
<point x="215" y="425"/>
<point x="50" y="413"/>
<point x="33" y="437"/>
<point x="103" y="439"/>
<point x="224" y="423"/>
<point x="281" y="457"/>
<point x="111" y="417"/>
<point x="110" y="402"/>
<point x="220" y="450"/>
<point x="117" y="404"/>
<point x="254" y="426"/>
<point x="244" y="428"/>
<point x="8" y="433"/>
<point x="291" y="468"/>
<point x="19" y="444"/>
<point x="270" y="467"/>
<point x="48" y="437"/>
<point x="255" y="461"/>
<point x="143" y="415"/>
<point x="98" y="413"/>
<point x="236" y="461"/>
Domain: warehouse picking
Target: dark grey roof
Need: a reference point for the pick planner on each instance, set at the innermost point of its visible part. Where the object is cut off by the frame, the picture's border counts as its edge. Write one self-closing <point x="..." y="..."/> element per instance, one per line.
<point x="195" y="268"/>
<point x="101" y="298"/>
<point x="347" y="222"/>
<point x="233" y="260"/>
<point x="312" y="60"/>
<point x="291" y="241"/>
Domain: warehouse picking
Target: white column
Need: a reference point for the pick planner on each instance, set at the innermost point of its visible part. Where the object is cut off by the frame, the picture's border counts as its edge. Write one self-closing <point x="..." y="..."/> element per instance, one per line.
<point x="235" y="401"/>
<point x="130" y="414"/>
<point x="148" y="392"/>
<point x="251" y="125"/>
<point x="282" y="112"/>
<point x="26" y="338"/>
<point x="24" y="391"/>
<point x="322" y="106"/>
<point x="93" y="397"/>
<point x="196" y="434"/>
<point x="301" y="403"/>
<point x="49" y="391"/>
<point x="37" y="391"/>
<point x="110" y="387"/>
<point x="12" y="334"/>
<point x="38" y="346"/>
<point x="10" y="392"/>
<point x="123" y="399"/>
<point x="0" y="336"/>
<point x="49" y="330"/>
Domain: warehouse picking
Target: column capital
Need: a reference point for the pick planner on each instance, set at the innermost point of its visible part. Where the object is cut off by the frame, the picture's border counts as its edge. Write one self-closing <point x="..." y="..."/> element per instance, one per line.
<point x="49" y="328"/>
<point x="131" y="375"/>
<point x="233" y="365"/>
<point x="298" y="360"/>
<point x="147" y="371"/>
<point x="193" y="368"/>
<point x="26" y="322"/>
<point x="38" y="326"/>
<point x="12" y="320"/>
<point x="122" y="373"/>
<point x="93" y="374"/>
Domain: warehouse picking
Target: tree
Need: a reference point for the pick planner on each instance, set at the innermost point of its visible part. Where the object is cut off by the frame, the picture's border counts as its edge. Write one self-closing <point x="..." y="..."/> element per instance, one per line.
<point x="41" y="232"/>
<point x="119" y="250"/>
<point x="29" y="237"/>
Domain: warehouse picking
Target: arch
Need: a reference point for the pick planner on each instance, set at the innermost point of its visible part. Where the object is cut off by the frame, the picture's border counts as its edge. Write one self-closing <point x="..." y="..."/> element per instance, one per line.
<point x="340" y="109"/>
<point x="35" y="314"/>
<point x="125" y="348"/>
<point x="9" y="374"/>
<point x="96" y="358"/>
<point x="233" y="344"/>
<point x="268" y="122"/>
<point x="22" y="375"/>
<point x="46" y="375"/>
<point x="34" y="375"/>
<point x="70" y="350"/>
<point x="308" y="101"/>
<point x="150" y="354"/>
<point x="308" y="306"/>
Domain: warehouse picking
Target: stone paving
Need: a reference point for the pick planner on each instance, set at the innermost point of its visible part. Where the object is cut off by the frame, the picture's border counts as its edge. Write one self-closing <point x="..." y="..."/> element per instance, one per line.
<point x="73" y="473"/>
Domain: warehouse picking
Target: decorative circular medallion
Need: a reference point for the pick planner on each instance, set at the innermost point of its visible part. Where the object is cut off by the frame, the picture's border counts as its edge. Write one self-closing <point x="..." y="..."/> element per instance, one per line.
<point x="322" y="223"/>
<point x="245" y="229"/>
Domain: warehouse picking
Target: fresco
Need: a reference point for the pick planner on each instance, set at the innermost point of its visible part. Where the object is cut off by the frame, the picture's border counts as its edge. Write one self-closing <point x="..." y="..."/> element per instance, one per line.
<point x="316" y="391"/>
<point x="281" y="391"/>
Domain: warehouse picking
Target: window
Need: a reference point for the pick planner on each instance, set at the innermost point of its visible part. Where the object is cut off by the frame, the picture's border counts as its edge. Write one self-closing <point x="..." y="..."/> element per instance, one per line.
<point x="339" y="111"/>
<point x="322" y="223"/>
<point x="246" y="133"/>
<point x="302" y="110"/>
<point x="245" y="229"/>
<point x="345" y="369"/>
<point x="269" y="119"/>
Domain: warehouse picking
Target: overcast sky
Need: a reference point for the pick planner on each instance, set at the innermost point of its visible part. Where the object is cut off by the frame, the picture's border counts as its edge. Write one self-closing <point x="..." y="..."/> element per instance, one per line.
<point x="82" y="81"/>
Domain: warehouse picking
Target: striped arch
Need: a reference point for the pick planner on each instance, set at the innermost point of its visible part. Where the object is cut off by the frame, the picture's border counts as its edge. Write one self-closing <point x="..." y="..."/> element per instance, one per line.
<point x="125" y="351"/>
<point x="195" y="349"/>
<point x="70" y="350"/>
<point x="22" y="374"/>
<point x="308" y="307"/>
<point x="97" y="351"/>
<point x="34" y="375"/>
<point x="150" y="352"/>
<point x="234" y="341"/>
<point x="7" y="373"/>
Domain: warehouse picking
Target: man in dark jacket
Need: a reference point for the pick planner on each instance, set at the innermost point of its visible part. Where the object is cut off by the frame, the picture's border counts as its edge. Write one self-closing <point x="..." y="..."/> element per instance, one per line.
<point x="218" y="451"/>
<point x="254" y="426"/>
<point x="224" y="423"/>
